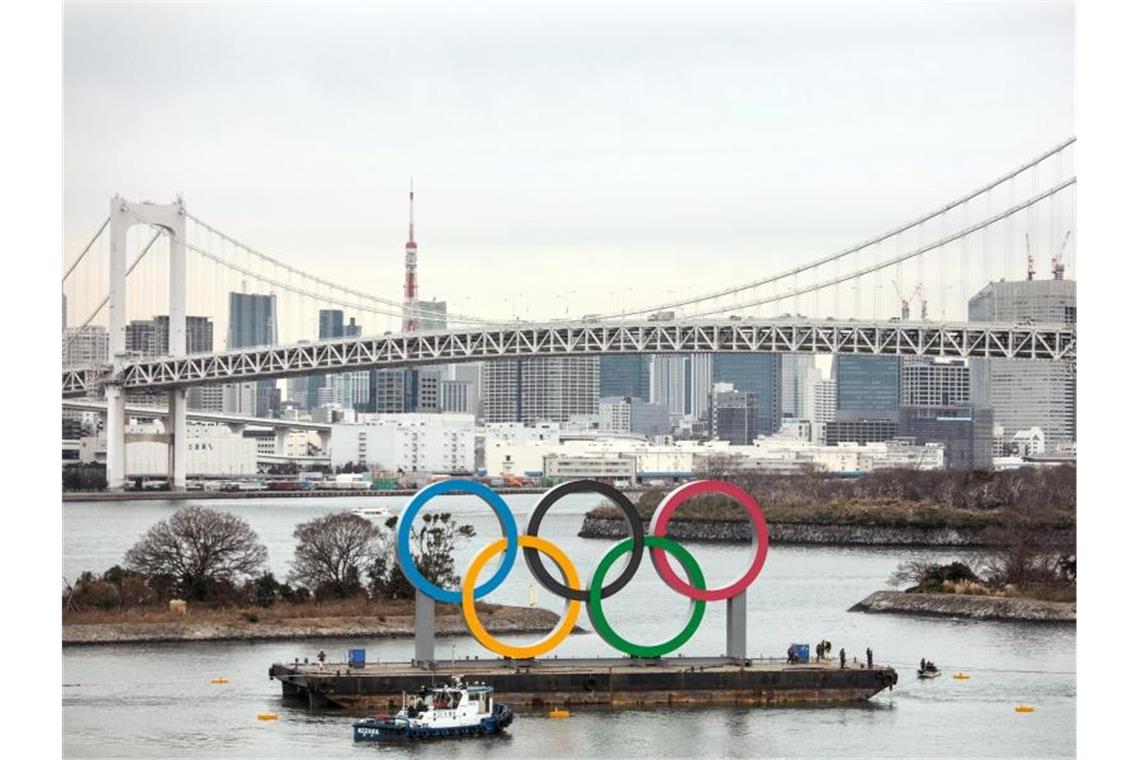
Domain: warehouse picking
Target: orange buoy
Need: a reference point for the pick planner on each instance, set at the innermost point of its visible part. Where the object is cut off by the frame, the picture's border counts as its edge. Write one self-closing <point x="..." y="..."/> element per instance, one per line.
<point x="219" y="679"/>
<point x="267" y="716"/>
<point x="1023" y="708"/>
<point x="559" y="713"/>
<point x="961" y="676"/>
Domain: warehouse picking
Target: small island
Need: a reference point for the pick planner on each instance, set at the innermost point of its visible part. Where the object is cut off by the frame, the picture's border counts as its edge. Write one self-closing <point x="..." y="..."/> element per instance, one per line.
<point x="881" y="508"/>
<point x="1016" y="584"/>
<point x="201" y="575"/>
<point x="345" y="619"/>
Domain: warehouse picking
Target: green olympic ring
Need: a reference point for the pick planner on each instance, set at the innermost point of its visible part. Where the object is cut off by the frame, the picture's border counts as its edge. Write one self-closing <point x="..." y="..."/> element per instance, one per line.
<point x="606" y="631"/>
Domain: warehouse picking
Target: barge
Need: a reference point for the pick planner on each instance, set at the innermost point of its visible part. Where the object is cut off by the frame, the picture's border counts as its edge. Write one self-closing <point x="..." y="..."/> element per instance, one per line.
<point x="604" y="682"/>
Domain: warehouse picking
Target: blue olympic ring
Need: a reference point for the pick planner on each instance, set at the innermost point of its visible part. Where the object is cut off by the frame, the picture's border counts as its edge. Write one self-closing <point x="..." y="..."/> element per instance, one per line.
<point x="404" y="530"/>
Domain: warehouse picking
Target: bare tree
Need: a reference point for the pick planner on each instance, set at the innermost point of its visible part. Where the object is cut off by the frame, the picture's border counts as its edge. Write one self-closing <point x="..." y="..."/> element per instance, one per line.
<point x="198" y="550"/>
<point x="333" y="552"/>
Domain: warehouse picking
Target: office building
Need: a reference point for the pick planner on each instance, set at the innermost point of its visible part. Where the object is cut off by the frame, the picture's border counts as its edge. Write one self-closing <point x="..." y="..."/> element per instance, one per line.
<point x="86" y="345"/>
<point x="252" y="322"/>
<point x="624" y="375"/>
<point x="735" y="415"/>
<point x="671" y="384"/>
<point x="1027" y="394"/>
<point x="964" y="432"/>
<point x="430" y="443"/>
<point x="532" y="390"/>
<point x="759" y="374"/>
<point x="867" y="387"/>
<point x="935" y="407"/>
<point x="798" y="372"/>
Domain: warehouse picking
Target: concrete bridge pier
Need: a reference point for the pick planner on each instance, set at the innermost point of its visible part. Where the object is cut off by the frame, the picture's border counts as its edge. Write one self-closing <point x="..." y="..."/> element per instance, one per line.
<point x="116" y="437"/>
<point x="176" y="425"/>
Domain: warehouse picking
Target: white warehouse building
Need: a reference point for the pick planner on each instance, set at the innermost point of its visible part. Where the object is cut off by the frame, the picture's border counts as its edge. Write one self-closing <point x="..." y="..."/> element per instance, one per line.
<point x="211" y="450"/>
<point x="440" y="443"/>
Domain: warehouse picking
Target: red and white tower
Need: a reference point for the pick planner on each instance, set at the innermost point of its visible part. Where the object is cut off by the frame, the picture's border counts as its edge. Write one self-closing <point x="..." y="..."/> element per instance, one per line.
<point x="411" y="290"/>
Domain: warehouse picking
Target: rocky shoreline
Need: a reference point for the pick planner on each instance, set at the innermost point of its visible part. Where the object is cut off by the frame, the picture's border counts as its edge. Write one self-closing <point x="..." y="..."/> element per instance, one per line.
<point x="970" y="607"/>
<point x="501" y="620"/>
<point x="803" y="533"/>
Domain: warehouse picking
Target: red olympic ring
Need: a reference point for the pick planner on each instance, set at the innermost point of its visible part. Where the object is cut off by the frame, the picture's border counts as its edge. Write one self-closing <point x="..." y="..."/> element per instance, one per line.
<point x="660" y="522"/>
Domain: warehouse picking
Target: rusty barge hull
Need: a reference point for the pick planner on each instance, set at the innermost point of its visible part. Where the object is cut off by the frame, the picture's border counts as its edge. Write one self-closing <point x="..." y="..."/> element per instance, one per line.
<point x="593" y="682"/>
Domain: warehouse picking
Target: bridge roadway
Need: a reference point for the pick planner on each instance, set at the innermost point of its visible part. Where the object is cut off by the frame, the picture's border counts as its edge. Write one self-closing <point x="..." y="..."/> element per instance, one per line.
<point x="786" y="335"/>
<point x="141" y="411"/>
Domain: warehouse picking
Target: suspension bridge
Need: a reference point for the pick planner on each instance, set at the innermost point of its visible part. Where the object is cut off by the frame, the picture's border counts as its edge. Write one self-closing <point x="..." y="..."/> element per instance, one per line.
<point x="1005" y="229"/>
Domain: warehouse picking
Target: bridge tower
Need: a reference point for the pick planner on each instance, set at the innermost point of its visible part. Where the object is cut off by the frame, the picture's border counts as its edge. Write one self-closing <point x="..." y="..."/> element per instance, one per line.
<point x="172" y="218"/>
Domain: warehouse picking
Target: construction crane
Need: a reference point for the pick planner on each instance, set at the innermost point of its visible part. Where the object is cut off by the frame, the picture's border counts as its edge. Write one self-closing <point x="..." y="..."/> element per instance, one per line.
<point x="904" y="302"/>
<point x="1030" y="271"/>
<point x="1059" y="265"/>
<point x="920" y="292"/>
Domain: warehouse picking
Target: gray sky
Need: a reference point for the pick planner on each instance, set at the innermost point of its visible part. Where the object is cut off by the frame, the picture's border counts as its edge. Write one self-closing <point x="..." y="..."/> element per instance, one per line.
<point x="579" y="150"/>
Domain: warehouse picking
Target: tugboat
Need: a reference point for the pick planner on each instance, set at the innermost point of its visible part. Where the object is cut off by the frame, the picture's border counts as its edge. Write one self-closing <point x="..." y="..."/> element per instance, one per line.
<point x="457" y="709"/>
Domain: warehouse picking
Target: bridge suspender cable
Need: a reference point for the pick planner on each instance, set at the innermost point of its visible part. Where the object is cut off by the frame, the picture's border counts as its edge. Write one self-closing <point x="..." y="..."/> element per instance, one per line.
<point x="107" y="298"/>
<point x="393" y="310"/>
<point x="854" y="249"/>
<point x="79" y="258"/>
<point x="902" y="257"/>
<point x="398" y="305"/>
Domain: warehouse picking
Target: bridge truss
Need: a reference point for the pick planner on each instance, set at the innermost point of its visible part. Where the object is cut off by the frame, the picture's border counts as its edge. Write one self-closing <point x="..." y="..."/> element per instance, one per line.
<point x="1039" y="342"/>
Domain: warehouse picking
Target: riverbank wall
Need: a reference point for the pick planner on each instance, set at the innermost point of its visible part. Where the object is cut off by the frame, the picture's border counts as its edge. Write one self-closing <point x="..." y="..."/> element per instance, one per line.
<point x="808" y="533"/>
<point x="968" y="606"/>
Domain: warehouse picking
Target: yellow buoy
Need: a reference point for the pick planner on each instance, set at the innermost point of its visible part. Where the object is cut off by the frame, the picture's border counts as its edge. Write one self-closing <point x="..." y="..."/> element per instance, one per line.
<point x="962" y="676"/>
<point x="559" y="713"/>
<point x="1024" y="708"/>
<point x="267" y="716"/>
<point x="219" y="679"/>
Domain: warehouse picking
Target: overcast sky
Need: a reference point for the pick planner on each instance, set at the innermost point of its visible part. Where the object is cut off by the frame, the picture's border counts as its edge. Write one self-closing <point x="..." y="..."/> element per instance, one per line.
<point x="580" y="152"/>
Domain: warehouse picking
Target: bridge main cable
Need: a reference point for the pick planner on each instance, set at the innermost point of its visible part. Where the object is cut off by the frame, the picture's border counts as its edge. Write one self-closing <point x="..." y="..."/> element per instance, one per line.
<point x="847" y="252"/>
<point x="901" y="257"/>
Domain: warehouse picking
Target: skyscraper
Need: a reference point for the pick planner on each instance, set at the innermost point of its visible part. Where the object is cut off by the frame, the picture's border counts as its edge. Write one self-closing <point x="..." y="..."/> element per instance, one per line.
<point x="866" y="399"/>
<point x="734" y="415"/>
<point x="797" y="372"/>
<point x="535" y="390"/>
<point x="1027" y="394"/>
<point x="935" y="407"/>
<point x="624" y="375"/>
<point x="671" y="383"/>
<point x="760" y="374"/>
<point x="252" y="322"/>
<point x="350" y="390"/>
<point x="867" y="387"/>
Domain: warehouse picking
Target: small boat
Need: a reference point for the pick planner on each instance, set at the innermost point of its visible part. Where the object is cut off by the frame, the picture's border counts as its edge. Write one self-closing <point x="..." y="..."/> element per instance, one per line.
<point x="929" y="673"/>
<point x="454" y="710"/>
<point x="373" y="513"/>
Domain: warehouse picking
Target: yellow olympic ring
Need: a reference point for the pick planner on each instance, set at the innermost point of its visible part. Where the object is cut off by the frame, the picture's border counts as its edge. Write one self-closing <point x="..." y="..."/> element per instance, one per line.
<point x="569" y="614"/>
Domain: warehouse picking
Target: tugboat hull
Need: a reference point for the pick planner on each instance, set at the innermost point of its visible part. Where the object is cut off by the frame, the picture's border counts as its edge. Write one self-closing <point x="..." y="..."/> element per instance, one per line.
<point x="375" y="730"/>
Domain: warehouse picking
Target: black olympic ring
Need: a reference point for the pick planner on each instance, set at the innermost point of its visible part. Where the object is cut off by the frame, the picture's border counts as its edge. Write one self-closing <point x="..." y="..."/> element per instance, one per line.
<point x="636" y="529"/>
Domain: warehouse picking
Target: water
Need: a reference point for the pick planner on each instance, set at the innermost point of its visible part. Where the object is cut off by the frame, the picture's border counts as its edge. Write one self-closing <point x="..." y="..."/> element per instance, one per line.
<point x="156" y="700"/>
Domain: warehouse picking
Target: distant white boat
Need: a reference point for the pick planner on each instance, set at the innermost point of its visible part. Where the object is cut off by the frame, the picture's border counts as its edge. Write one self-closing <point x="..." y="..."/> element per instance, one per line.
<point x="373" y="513"/>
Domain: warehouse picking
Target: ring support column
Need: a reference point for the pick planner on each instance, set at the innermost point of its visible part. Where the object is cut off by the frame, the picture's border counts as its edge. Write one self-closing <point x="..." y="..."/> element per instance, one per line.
<point x="425" y="628"/>
<point x="736" y="622"/>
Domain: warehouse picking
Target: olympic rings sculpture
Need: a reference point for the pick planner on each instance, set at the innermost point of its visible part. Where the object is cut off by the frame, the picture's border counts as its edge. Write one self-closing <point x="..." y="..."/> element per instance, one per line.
<point x="570" y="587"/>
